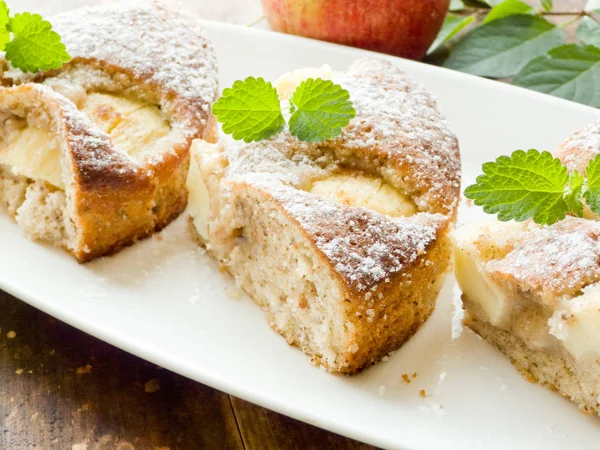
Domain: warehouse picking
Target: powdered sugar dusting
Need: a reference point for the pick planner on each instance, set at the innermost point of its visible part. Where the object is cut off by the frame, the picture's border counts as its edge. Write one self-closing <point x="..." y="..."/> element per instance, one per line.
<point x="158" y="45"/>
<point x="554" y="261"/>
<point x="365" y="247"/>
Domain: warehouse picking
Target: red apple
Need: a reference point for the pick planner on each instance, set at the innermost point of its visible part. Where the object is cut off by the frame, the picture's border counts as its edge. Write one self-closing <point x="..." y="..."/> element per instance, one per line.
<point x="398" y="27"/>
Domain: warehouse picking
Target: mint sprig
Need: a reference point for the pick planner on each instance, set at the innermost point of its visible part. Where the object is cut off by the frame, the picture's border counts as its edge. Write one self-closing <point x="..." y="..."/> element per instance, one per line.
<point x="535" y="185"/>
<point x="29" y="42"/>
<point x="251" y="110"/>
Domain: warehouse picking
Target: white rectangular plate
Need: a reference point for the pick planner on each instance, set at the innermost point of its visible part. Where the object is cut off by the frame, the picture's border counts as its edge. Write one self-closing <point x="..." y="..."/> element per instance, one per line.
<point x="165" y="300"/>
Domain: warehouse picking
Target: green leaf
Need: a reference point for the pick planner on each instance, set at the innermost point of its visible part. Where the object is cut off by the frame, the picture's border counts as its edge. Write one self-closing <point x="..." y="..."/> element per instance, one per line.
<point x="452" y="26"/>
<point x="569" y="71"/>
<point x="573" y="195"/>
<point x="4" y="33"/>
<point x="249" y="110"/>
<point x="588" y="31"/>
<point x="319" y="110"/>
<point x="592" y="5"/>
<point x="522" y="186"/>
<point x="456" y="5"/>
<point x="508" y="8"/>
<point x="592" y="194"/>
<point x="503" y="47"/>
<point x="547" y="5"/>
<point x="34" y="45"/>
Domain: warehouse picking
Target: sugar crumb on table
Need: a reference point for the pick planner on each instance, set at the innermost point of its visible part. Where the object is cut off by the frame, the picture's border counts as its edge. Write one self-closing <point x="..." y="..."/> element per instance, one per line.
<point x="152" y="386"/>
<point x="84" y="369"/>
<point x="406" y="378"/>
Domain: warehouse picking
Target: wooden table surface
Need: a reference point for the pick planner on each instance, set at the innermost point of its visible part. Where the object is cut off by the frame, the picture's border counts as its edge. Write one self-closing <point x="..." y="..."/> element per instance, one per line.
<point x="63" y="389"/>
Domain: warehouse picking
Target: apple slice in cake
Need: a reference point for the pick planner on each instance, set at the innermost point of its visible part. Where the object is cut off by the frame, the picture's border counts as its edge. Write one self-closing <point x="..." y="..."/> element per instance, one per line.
<point x="95" y="155"/>
<point x="342" y="243"/>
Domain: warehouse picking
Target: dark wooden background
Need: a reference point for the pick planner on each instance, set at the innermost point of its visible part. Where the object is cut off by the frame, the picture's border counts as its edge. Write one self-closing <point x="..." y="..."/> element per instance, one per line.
<point x="62" y="389"/>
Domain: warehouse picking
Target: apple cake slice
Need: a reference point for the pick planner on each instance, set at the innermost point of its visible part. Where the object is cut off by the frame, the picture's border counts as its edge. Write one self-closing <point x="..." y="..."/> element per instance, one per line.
<point x="95" y="155"/>
<point x="534" y="291"/>
<point x="343" y="243"/>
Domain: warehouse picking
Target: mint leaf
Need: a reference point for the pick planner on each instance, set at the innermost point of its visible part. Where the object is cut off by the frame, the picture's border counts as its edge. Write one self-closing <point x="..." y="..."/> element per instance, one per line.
<point x="547" y="5"/>
<point x="592" y="5"/>
<point x="452" y="25"/>
<point x="249" y="110"/>
<point x="319" y="110"/>
<point x="503" y="47"/>
<point x="588" y="31"/>
<point x="34" y="45"/>
<point x="569" y="71"/>
<point x="522" y="186"/>
<point x="573" y="195"/>
<point x="456" y="5"/>
<point x="592" y="194"/>
<point x="508" y="8"/>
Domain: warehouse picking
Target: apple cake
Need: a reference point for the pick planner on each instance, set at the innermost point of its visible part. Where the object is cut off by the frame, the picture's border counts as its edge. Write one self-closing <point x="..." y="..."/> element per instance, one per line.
<point x="534" y="291"/>
<point x="342" y="243"/>
<point x="95" y="155"/>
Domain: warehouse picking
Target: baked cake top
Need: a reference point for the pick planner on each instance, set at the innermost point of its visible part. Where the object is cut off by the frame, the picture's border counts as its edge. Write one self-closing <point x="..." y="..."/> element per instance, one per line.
<point x="397" y="128"/>
<point x="164" y="49"/>
<point x="554" y="261"/>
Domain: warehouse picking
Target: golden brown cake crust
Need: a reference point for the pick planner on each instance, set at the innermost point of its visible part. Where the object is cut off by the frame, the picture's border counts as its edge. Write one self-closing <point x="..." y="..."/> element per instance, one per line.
<point x="142" y="51"/>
